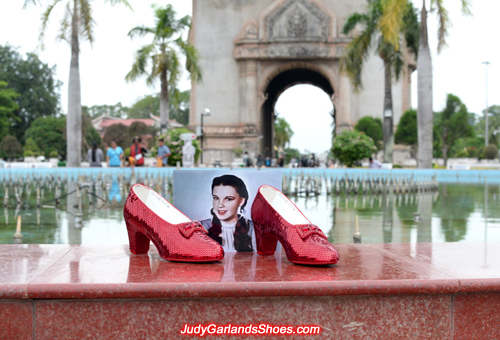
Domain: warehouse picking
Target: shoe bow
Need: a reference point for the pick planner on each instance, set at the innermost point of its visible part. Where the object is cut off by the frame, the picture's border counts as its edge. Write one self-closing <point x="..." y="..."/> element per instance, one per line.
<point x="305" y="230"/>
<point x="187" y="229"/>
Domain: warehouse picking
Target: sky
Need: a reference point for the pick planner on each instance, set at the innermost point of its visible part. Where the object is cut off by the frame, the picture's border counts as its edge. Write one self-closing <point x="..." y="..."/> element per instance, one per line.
<point x="458" y="69"/>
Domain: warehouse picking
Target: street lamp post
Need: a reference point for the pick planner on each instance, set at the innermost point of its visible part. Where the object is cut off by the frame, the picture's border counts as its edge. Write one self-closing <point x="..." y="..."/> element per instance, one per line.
<point x="486" y="134"/>
<point x="205" y="112"/>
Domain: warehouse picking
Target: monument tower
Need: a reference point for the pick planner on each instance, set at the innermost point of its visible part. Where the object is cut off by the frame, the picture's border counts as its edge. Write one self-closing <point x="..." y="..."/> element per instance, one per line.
<point x="251" y="51"/>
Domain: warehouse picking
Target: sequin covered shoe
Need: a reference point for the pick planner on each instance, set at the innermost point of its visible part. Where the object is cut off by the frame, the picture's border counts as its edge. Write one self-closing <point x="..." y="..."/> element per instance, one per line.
<point x="276" y="218"/>
<point x="149" y="216"/>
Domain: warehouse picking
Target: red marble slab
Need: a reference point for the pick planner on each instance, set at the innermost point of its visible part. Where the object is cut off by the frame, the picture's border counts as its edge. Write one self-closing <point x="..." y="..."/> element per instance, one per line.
<point x="340" y="317"/>
<point x="476" y="316"/>
<point x="20" y="264"/>
<point x="474" y="264"/>
<point x="16" y="319"/>
<point x="112" y="272"/>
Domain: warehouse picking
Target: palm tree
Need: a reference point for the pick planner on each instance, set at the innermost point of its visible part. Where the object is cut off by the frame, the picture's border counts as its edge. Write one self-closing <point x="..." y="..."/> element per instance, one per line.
<point x="358" y="49"/>
<point x="77" y="22"/>
<point x="283" y="133"/>
<point x="391" y="26"/>
<point x="163" y="57"/>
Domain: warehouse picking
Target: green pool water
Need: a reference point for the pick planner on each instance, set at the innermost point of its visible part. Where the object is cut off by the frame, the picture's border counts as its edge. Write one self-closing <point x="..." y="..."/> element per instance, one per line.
<point x="455" y="213"/>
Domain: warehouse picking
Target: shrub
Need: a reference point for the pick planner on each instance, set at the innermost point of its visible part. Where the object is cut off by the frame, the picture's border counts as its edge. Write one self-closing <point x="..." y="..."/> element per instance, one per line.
<point x="351" y="146"/>
<point x="53" y="154"/>
<point x="490" y="151"/>
<point x="28" y="153"/>
<point x="372" y="127"/>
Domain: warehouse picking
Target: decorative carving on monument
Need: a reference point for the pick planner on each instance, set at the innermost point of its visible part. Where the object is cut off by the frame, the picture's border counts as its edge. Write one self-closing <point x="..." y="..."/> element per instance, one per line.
<point x="296" y="20"/>
<point x="297" y="23"/>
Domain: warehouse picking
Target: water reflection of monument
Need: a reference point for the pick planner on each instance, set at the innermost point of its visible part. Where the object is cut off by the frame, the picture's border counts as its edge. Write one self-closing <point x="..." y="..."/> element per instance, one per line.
<point x="73" y="214"/>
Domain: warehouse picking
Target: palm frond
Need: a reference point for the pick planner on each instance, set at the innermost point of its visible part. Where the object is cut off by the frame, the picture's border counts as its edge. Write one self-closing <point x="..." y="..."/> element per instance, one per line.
<point x="391" y="20"/>
<point x="87" y="23"/>
<point x="45" y="20"/>
<point x="140" y="62"/>
<point x="28" y="2"/>
<point x="444" y="24"/>
<point x="65" y="27"/>
<point x="466" y="7"/>
<point x="353" y="20"/>
<point x="140" y="31"/>
<point x="125" y="2"/>
<point x="192" y="58"/>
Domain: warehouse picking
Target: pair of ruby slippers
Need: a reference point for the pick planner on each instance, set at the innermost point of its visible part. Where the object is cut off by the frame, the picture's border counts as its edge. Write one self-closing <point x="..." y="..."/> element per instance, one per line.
<point x="149" y="216"/>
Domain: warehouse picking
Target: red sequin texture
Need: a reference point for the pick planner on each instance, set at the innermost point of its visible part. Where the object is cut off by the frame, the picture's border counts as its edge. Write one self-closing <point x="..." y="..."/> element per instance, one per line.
<point x="187" y="242"/>
<point x="303" y="243"/>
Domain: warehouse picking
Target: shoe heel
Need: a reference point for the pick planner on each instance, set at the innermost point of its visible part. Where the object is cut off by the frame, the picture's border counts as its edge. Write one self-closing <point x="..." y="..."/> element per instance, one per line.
<point x="138" y="242"/>
<point x="266" y="243"/>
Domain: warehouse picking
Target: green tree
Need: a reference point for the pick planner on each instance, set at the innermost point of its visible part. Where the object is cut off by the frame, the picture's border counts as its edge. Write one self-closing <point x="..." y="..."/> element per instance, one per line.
<point x="77" y="22"/>
<point x="31" y="149"/>
<point x="36" y="84"/>
<point x="351" y="146"/>
<point x="47" y="133"/>
<point x="10" y="148"/>
<point x="161" y="55"/>
<point x="391" y="26"/>
<point x="283" y="133"/>
<point x="7" y="108"/>
<point x="452" y="124"/>
<point x="118" y="133"/>
<point x="406" y="132"/>
<point x="117" y="110"/>
<point x="360" y="46"/>
<point x="175" y="144"/>
<point x="372" y="127"/>
<point x="145" y="107"/>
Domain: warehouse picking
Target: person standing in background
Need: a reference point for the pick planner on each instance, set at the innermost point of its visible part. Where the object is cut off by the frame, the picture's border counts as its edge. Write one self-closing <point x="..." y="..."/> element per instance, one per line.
<point x="163" y="153"/>
<point x="95" y="156"/>
<point x="114" y="155"/>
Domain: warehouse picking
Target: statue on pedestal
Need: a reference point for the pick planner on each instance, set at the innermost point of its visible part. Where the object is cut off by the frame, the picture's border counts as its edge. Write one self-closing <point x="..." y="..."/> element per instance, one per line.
<point x="188" y="150"/>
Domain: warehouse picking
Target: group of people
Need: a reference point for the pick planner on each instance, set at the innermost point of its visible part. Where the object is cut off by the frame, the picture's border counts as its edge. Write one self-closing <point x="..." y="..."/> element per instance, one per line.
<point x="115" y="156"/>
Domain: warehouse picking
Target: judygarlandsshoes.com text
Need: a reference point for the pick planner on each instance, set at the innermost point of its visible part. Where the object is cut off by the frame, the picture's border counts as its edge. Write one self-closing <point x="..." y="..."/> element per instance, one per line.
<point x="251" y="329"/>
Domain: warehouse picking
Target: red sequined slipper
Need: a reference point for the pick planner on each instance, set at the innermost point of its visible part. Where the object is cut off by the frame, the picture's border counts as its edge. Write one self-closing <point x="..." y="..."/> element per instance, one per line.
<point x="149" y="216"/>
<point x="276" y="218"/>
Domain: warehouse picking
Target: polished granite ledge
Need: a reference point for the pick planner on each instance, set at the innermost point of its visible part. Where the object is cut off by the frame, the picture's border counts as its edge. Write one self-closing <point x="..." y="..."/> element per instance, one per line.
<point x="111" y="272"/>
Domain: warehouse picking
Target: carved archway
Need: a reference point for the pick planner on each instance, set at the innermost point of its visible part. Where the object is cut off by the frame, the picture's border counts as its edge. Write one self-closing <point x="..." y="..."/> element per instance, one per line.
<point x="275" y="87"/>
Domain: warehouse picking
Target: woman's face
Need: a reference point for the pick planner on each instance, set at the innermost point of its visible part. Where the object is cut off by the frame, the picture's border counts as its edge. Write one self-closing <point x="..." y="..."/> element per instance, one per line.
<point x="226" y="202"/>
<point x="113" y="144"/>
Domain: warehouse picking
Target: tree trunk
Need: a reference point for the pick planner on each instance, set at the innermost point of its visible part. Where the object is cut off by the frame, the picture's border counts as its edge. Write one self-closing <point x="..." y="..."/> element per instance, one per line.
<point x="74" y="117"/>
<point x="424" y="112"/>
<point x="164" y="112"/>
<point x="444" y="150"/>
<point x="387" y="129"/>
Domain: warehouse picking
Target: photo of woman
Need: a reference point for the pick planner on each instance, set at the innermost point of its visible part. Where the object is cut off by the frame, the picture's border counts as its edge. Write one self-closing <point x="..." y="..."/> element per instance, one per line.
<point x="222" y="200"/>
<point x="228" y="225"/>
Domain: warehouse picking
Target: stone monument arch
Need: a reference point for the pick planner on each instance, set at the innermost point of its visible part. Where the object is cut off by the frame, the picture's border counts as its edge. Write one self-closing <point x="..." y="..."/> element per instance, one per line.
<point x="251" y="51"/>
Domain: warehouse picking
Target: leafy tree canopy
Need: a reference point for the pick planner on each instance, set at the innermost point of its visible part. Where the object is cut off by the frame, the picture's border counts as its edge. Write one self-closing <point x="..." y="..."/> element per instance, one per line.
<point x="117" y="110"/>
<point x="406" y="132"/>
<point x="351" y="146"/>
<point x="48" y="134"/>
<point x="452" y="124"/>
<point x="144" y="107"/>
<point x="10" y="148"/>
<point x="35" y="82"/>
<point x="372" y="127"/>
<point x="8" y="106"/>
